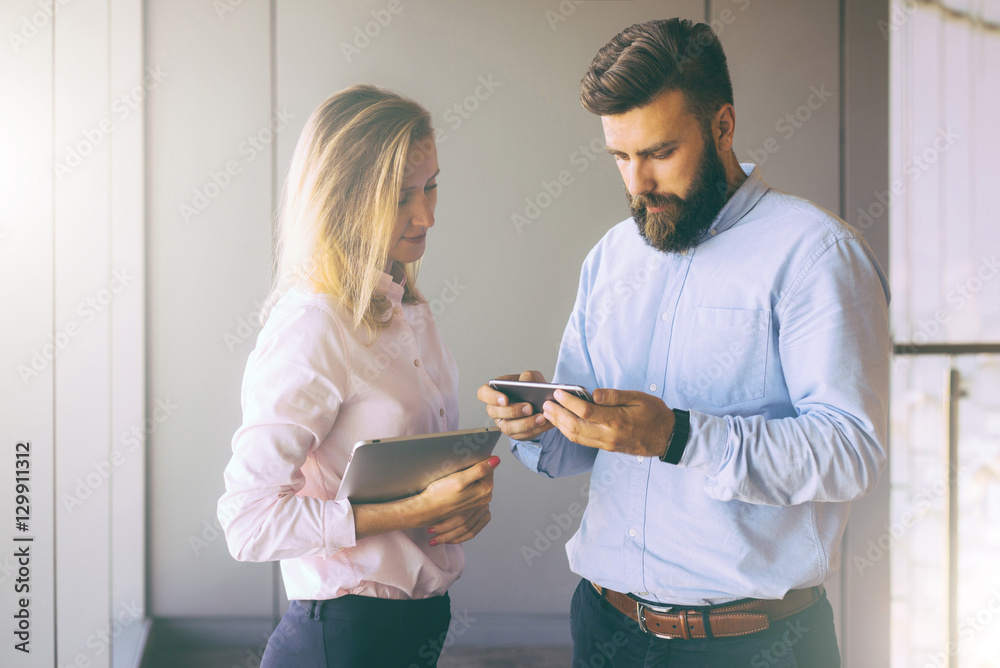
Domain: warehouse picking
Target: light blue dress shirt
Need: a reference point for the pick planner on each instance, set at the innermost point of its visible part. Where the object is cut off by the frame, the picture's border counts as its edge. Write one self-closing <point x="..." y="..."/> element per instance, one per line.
<point x="773" y="332"/>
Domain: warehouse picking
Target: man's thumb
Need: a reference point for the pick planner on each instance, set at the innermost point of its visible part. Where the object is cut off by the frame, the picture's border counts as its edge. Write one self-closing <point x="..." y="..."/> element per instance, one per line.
<point x="607" y="397"/>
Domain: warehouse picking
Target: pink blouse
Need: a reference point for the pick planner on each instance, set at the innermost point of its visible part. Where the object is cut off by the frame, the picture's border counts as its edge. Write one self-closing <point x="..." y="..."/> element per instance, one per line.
<point x="312" y="389"/>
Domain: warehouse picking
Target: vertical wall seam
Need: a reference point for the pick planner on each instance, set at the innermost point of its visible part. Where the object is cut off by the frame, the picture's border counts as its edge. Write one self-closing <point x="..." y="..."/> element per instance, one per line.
<point x="147" y="328"/>
<point x="844" y="149"/>
<point x="55" y="362"/>
<point x="842" y="87"/>
<point x="273" y="53"/>
<point x="111" y="327"/>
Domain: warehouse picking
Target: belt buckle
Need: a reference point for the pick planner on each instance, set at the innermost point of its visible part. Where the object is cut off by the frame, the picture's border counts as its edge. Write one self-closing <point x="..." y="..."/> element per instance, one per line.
<point x="640" y="615"/>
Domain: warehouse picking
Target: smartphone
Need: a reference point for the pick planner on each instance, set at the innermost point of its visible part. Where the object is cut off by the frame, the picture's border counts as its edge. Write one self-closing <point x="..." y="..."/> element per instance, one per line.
<point x="536" y="394"/>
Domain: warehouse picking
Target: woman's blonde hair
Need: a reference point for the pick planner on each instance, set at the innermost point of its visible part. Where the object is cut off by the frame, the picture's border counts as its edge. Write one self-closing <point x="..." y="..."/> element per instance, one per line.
<point x="340" y="200"/>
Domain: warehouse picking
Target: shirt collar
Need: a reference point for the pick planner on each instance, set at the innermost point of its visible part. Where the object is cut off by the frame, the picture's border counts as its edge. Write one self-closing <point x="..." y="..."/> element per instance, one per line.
<point x="744" y="199"/>
<point x="390" y="288"/>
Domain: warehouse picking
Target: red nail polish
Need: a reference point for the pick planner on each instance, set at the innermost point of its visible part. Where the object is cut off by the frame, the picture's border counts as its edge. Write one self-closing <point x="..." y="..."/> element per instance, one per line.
<point x="434" y="542"/>
<point x="494" y="460"/>
<point x="430" y="529"/>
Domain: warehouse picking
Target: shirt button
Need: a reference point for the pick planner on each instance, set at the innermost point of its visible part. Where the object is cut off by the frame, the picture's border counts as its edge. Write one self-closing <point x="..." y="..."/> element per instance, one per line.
<point x="397" y="310"/>
<point x="640" y="458"/>
<point x="652" y="387"/>
<point x="664" y="316"/>
<point x="632" y="532"/>
<point x="714" y="231"/>
<point x="684" y="252"/>
<point x="442" y="412"/>
<point x="416" y="362"/>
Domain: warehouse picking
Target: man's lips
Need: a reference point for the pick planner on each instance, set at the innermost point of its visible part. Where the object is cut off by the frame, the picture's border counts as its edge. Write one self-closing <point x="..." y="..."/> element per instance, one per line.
<point x="655" y="209"/>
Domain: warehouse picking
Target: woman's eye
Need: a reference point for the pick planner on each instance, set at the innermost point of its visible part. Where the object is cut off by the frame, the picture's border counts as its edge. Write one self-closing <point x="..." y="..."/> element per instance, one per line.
<point x="404" y="200"/>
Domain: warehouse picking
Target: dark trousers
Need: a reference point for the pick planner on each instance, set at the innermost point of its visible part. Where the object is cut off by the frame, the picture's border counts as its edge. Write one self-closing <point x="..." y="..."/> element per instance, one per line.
<point x="360" y="632"/>
<point x="605" y="638"/>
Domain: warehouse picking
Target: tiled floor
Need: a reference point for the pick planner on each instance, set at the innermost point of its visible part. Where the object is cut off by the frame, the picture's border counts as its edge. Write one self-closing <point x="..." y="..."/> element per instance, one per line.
<point x="453" y="657"/>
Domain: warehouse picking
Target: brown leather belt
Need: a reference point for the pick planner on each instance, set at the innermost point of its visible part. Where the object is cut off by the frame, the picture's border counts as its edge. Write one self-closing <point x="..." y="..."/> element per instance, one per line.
<point x="739" y="618"/>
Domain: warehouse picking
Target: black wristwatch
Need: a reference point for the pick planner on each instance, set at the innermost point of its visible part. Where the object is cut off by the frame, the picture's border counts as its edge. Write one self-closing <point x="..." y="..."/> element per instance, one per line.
<point x="679" y="437"/>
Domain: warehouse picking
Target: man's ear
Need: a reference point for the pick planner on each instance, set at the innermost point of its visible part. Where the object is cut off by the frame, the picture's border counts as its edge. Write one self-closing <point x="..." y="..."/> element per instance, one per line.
<point x="724" y="127"/>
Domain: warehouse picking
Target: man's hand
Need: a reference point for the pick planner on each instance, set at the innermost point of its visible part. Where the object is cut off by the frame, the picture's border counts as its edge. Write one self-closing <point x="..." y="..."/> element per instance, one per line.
<point x="634" y="423"/>
<point x="517" y="421"/>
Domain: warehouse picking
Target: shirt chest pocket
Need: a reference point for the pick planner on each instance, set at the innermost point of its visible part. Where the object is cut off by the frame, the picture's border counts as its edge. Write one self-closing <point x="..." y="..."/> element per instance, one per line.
<point x="724" y="355"/>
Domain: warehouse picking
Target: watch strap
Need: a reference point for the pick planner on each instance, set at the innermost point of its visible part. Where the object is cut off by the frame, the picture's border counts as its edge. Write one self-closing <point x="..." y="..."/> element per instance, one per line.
<point x="678" y="438"/>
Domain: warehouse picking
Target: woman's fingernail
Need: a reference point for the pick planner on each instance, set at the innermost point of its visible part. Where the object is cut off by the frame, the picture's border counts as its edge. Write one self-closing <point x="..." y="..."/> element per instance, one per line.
<point x="434" y="542"/>
<point x="493" y="461"/>
<point x="430" y="529"/>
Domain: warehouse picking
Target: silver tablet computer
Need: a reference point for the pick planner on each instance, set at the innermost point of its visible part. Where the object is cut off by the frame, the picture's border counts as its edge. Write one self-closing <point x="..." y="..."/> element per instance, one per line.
<point x="387" y="469"/>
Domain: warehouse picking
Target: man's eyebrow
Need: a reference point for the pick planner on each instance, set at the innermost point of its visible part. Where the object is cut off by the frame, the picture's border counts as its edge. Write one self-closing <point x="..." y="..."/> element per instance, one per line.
<point x="655" y="148"/>
<point x="433" y="176"/>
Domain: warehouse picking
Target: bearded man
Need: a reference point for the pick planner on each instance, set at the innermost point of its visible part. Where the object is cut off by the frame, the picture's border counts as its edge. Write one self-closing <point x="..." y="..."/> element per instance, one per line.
<point x="738" y="339"/>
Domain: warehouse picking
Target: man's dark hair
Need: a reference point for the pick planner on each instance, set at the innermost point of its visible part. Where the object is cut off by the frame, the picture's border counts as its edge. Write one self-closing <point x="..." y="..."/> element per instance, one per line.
<point x="650" y="58"/>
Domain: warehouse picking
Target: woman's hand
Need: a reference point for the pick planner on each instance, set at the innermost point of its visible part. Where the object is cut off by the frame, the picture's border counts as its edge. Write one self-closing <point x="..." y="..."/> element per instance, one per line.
<point x="454" y="508"/>
<point x="458" y="505"/>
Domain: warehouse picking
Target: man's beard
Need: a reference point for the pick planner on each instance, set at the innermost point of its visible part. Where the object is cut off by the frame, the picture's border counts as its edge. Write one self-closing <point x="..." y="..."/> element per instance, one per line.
<point x="685" y="220"/>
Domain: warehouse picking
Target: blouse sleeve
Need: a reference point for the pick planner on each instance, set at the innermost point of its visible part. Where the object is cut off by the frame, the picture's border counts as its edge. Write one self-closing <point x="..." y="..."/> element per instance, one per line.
<point x="295" y="382"/>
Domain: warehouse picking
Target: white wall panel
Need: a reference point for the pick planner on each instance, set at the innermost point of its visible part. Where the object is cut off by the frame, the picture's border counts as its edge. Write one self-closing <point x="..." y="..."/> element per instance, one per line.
<point x="83" y="295"/>
<point x="26" y="292"/>
<point x="71" y="239"/>
<point x="209" y="205"/>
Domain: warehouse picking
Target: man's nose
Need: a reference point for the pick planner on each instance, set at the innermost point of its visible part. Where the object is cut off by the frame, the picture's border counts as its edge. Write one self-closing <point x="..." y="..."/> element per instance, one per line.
<point x="638" y="177"/>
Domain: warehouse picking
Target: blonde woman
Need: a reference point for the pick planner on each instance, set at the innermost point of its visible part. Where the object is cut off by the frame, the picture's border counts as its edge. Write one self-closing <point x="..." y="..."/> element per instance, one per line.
<point x="349" y="351"/>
